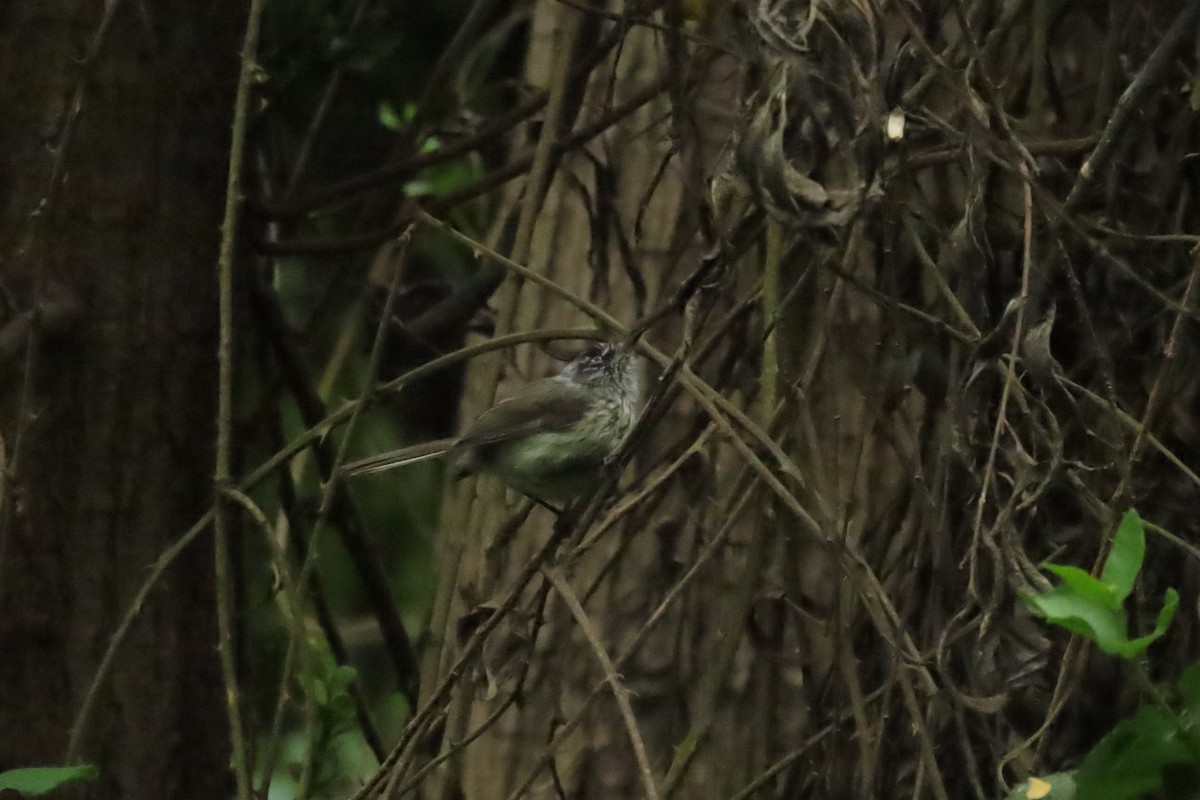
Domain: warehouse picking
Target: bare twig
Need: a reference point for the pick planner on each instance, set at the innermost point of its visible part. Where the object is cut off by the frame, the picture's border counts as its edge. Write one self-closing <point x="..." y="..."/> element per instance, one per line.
<point x="1154" y="401"/>
<point x="1135" y="93"/>
<point x="1009" y="382"/>
<point x="513" y="168"/>
<point x="257" y="476"/>
<point x="223" y="474"/>
<point x="620" y="693"/>
<point x="343" y="512"/>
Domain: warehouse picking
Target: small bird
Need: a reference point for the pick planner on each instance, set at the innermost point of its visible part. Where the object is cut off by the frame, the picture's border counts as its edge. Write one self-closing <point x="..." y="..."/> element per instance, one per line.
<point x="1039" y="362"/>
<point x="551" y="439"/>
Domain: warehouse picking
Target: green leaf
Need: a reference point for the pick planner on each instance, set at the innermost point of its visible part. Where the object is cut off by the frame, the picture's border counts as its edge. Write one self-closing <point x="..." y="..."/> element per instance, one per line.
<point x="1080" y="615"/>
<point x="1129" y="761"/>
<point x="444" y="178"/>
<point x="388" y="117"/>
<point x="341" y="678"/>
<point x="1128" y="551"/>
<point x="1188" y="690"/>
<point x="314" y="686"/>
<point x="1135" y="647"/>
<point x="1058" y="786"/>
<point x="39" y="780"/>
<point x="1182" y="781"/>
<point x="1082" y="583"/>
<point x="1094" y="608"/>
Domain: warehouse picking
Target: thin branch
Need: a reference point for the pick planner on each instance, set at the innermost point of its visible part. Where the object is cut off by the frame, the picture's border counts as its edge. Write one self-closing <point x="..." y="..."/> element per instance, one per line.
<point x="783" y="763"/>
<point x="513" y="168"/>
<point x="620" y="693"/>
<point x="161" y="565"/>
<point x="1148" y="78"/>
<point x="744" y="491"/>
<point x="344" y="514"/>
<point x="410" y="165"/>
<point x="720" y="409"/>
<point x="223" y="474"/>
<point x="1010" y="380"/>
<point x="1170" y="353"/>
<point x="538" y="183"/>
<point x="257" y="476"/>
<point x="304" y="151"/>
<point x="470" y="650"/>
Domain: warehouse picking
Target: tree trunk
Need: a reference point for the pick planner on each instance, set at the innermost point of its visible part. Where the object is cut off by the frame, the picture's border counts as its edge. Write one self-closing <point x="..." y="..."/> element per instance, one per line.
<point x="477" y="565"/>
<point x="853" y="625"/>
<point x="112" y="178"/>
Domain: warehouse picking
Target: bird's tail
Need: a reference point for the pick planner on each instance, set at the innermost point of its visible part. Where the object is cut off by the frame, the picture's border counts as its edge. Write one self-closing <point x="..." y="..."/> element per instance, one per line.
<point x="392" y="459"/>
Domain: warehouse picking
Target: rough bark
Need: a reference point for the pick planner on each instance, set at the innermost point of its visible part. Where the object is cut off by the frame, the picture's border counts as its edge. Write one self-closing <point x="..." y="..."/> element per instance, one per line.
<point x="107" y="418"/>
<point x="568" y="248"/>
<point x="881" y="650"/>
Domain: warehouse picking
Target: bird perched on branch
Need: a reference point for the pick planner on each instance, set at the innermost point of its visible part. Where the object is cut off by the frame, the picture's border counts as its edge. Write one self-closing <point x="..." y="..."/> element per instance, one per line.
<point x="551" y="439"/>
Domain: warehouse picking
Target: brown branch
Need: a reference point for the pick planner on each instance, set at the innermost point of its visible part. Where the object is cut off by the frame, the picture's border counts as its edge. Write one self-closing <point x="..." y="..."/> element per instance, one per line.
<point x="343" y="513"/>
<point x="324" y="104"/>
<point x="222" y="476"/>
<point x="494" y="179"/>
<point x="305" y="440"/>
<point x="948" y="154"/>
<point x="620" y="693"/>
<point x="471" y="649"/>
<point x="1170" y="353"/>
<point x="394" y="173"/>
<point x="412" y="164"/>
<point x="752" y="788"/>
<point x="1009" y="382"/>
<point x="541" y="170"/>
<point x="325" y="618"/>
<point x="457" y="747"/>
<point x="1148" y="77"/>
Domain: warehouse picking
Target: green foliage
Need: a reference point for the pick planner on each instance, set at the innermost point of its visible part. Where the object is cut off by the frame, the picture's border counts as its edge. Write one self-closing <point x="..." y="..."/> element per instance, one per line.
<point x="39" y="780"/>
<point x="1136" y="756"/>
<point x="326" y="753"/>
<point x="395" y="120"/>
<point x="1157" y="750"/>
<point x="1058" y="786"/>
<point x="328" y="684"/>
<point x="1094" y="608"/>
<point x="439" y="180"/>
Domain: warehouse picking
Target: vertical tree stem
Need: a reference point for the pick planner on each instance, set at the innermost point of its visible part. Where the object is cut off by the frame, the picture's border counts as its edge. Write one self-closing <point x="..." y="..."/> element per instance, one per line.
<point x="222" y="476"/>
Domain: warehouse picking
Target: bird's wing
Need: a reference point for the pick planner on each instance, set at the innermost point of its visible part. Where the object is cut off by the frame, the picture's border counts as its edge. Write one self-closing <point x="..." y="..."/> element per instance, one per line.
<point x="543" y="406"/>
